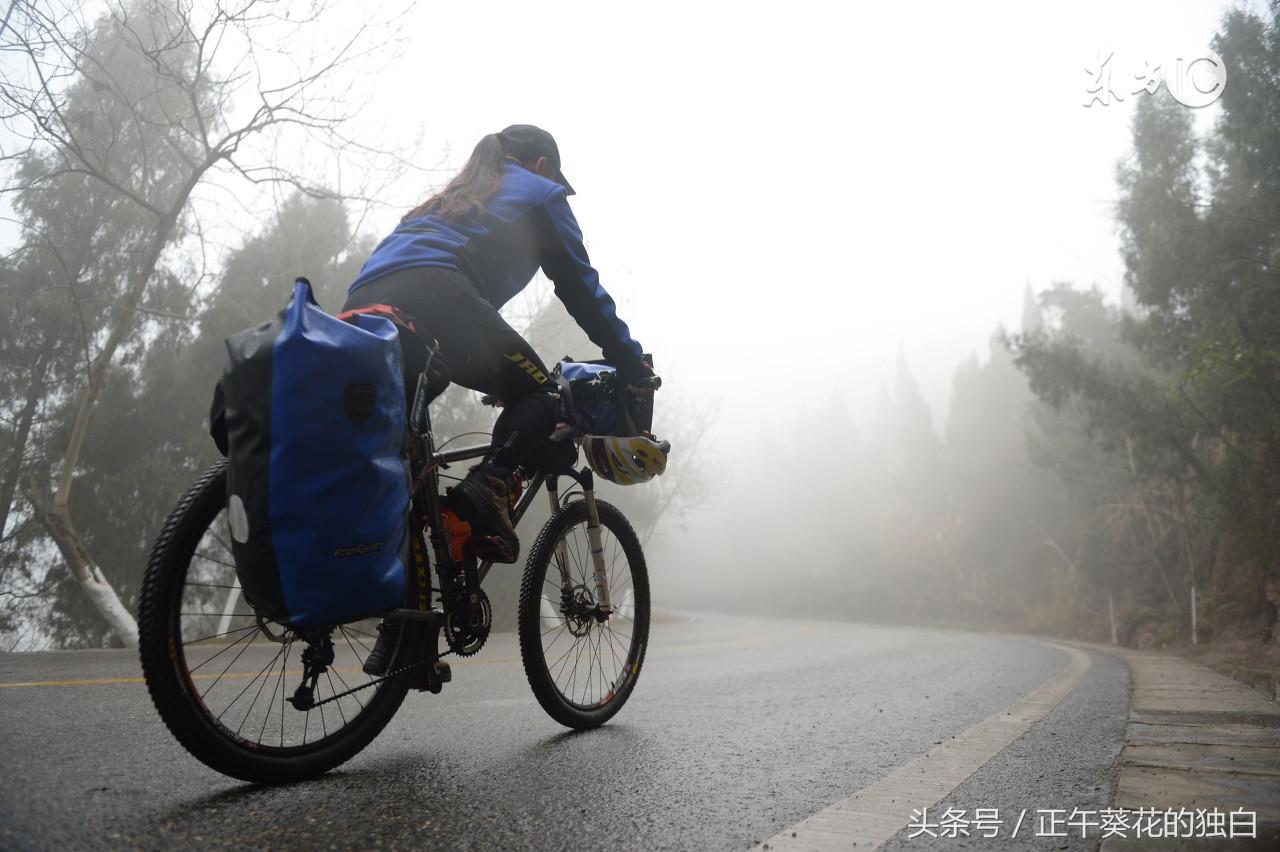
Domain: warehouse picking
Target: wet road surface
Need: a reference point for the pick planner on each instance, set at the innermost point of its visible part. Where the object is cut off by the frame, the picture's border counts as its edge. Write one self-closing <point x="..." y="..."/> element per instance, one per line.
<point x="738" y="729"/>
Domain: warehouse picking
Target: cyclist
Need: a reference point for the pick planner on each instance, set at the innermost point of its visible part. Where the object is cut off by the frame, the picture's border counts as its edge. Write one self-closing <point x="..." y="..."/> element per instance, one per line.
<point x="458" y="257"/>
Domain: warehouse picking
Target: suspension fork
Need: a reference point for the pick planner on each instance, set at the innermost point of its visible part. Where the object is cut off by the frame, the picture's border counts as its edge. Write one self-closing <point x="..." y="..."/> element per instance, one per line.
<point x="594" y="537"/>
<point x="597" y="544"/>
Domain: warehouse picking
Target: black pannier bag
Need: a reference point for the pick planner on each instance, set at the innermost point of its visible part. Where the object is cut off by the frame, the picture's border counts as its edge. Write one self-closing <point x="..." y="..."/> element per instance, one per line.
<point x="313" y="410"/>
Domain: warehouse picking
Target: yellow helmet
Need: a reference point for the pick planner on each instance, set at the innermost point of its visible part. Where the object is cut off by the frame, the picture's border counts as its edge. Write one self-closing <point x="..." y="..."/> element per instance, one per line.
<point x="626" y="461"/>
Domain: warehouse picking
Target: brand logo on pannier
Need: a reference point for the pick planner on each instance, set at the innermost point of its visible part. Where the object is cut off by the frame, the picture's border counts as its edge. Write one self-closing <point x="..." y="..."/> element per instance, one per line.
<point x="357" y="550"/>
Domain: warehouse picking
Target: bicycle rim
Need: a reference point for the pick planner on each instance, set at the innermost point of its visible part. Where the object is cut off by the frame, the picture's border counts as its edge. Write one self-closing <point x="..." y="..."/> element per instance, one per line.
<point x="583" y="669"/>
<point x="222" y="676"/>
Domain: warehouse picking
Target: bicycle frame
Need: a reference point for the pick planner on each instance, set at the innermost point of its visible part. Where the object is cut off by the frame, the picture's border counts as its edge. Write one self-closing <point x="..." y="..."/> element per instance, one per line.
<point x="426" y="494"/>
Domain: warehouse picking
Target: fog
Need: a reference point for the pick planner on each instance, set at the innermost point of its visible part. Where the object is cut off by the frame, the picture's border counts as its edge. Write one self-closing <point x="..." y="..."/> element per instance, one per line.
<point x="810" y="213"/>
<point x="782" y="196"/>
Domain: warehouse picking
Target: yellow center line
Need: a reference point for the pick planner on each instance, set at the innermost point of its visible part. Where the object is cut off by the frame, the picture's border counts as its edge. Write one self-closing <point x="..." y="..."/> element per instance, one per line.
<point x="107" y="681"/>
<point x="88" y="681"/>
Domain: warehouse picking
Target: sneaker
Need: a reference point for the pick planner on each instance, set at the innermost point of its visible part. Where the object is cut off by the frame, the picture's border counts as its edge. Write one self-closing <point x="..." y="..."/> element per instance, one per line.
<point x="483" y="500"/>
<point x="379" y="659"/>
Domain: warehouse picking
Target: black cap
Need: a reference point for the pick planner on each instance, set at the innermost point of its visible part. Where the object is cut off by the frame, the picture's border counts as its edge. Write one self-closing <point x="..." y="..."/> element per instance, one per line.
<point x="527" y="143"/>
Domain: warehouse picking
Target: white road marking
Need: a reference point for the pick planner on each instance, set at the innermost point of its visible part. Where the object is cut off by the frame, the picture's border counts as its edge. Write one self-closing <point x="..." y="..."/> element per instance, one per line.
<point x="878" y="811"/>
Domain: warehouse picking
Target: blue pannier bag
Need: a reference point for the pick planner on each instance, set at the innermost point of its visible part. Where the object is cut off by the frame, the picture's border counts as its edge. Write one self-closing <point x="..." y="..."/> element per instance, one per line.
<point x="317" y="483"/>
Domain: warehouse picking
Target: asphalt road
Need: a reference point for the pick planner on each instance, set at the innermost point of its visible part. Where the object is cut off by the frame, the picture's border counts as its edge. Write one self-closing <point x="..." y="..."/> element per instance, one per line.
<point x="738" y="729"/>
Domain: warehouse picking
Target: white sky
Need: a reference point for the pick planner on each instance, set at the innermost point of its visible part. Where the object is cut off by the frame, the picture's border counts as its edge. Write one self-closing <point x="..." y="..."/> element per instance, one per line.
<point x="781" y="195"/>
<point x="774" y="188"/>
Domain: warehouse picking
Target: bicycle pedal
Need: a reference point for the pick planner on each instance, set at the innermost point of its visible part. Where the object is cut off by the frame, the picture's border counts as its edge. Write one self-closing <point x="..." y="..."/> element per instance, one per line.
<point x="432" y="679"/>
<point x="444" y="673"/>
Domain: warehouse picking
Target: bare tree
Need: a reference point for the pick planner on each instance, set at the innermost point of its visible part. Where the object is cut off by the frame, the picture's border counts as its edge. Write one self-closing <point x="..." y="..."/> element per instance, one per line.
<point x="124" y="117"/>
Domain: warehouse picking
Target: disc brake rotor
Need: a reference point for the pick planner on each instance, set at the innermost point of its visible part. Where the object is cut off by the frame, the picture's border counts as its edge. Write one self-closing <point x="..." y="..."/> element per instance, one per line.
<point x="577" y="605"/>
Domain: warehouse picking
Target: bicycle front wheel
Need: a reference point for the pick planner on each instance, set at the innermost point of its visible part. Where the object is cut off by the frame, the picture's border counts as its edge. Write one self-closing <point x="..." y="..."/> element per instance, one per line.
<point x="581" y="661"/>
<point x="221" y="675"/>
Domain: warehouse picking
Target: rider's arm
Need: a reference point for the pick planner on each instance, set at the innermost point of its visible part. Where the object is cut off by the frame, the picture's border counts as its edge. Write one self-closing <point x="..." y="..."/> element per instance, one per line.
<point x="564" y="259"/>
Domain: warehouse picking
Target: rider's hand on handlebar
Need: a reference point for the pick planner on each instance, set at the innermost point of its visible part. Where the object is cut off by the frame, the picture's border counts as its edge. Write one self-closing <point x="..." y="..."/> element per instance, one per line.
<point x="642" y="380"/>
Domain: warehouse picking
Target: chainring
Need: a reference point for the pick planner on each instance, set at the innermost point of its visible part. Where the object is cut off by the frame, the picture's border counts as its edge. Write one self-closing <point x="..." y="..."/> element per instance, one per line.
<point x="466" y="640"/>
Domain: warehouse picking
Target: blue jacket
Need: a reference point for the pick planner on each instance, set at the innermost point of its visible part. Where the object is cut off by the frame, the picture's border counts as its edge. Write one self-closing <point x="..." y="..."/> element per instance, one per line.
<point x="526" y="225"/>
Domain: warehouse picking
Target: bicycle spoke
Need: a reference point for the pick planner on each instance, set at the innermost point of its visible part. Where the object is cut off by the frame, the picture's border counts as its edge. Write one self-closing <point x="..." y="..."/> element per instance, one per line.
<point x="613" y="649"/>
<point x="351" y="633"/>
<point x="577" y="662"/>
<point x="252" y="638"/>
<point x="559" y="660"/>
<point x="346" y="688"/>
<point x="562" y="625"/>
<point x="332" y="692"/>
<point x="217" y="561"/>
<point x="270" y="664"/>
<point x="600" y="665"/>
<point x="218" y="635"/>
<point x="573" y="675"/>
<point x="283" y="668"/>
<point x="619" y="634"/>
<point x="220" y="653"/>
<point x="266" y="717"/>
<point x="546" y="649"/>
<point x="354" y="652"/>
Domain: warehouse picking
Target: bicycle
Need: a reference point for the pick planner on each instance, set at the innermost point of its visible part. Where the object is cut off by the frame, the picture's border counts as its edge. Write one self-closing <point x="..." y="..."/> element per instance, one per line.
<point x="228" y="685"/>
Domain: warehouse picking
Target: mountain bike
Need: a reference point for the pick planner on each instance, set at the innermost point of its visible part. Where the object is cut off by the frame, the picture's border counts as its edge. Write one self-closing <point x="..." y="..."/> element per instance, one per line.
<point x="267" y="703"/>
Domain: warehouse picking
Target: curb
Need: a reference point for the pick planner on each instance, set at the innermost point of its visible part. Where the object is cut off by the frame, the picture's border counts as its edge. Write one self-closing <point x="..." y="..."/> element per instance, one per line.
<point x="1197" y="740"/>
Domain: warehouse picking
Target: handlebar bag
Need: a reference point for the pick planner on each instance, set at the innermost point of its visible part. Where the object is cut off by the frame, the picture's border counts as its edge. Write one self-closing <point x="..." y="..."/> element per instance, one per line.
<point x="593" y="403"/>
<point x="317" y="483"/>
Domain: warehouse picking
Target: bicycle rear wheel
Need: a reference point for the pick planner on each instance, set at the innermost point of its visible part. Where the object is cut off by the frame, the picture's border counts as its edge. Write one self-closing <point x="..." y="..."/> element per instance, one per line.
<point x="583" y="669"/>
<point x="220" y="674"/>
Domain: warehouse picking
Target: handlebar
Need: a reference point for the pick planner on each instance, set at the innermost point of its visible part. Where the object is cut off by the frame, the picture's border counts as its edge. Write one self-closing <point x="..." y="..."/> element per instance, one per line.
<point x="647" y="382"/>
<point x="650" y="383"/>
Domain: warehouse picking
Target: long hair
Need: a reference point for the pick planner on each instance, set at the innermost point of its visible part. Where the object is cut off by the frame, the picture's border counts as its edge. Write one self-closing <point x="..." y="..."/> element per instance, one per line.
<point x="465" y="195"/>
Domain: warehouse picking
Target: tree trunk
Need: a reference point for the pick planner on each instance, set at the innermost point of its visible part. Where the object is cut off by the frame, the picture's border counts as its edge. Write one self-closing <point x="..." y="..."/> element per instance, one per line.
<point x="101" y="363"/>
<point x="57" y="522"/>
<point x="21" y="433"/>
<point x="55" y="514"/>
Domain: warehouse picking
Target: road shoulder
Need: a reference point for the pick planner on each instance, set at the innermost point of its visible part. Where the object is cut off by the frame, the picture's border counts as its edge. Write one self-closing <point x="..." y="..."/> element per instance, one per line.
<point x="1197" y="740"/>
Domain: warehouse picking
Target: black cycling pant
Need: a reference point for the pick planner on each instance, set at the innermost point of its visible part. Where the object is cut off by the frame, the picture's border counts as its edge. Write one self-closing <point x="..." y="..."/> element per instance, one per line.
<point x="482" y="350"/>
